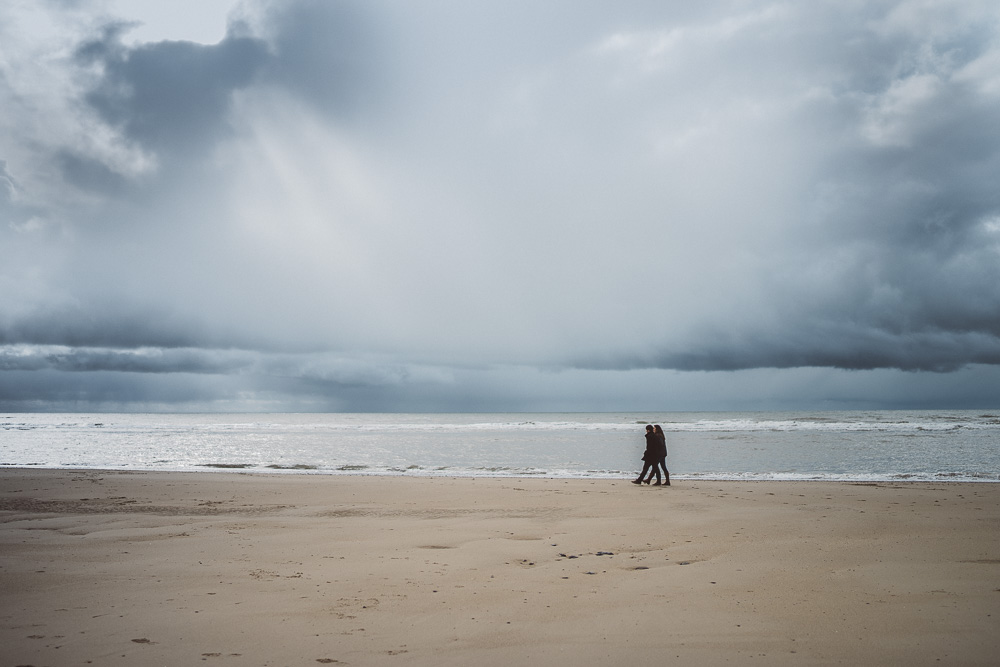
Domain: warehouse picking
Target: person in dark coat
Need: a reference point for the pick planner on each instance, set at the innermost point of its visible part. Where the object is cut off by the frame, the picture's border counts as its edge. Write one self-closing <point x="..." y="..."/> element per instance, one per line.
<point x="661" y="461"/>
<point x="650" y="457"/>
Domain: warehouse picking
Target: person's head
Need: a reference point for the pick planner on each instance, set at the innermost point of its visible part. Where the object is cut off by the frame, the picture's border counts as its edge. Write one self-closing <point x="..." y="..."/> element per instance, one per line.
<point x="648" y="428"/>
<point x="658" y="429"/>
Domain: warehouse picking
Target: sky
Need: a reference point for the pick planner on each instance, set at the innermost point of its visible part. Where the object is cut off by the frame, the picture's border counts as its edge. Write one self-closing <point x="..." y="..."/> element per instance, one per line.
<point x="505" y="205"/>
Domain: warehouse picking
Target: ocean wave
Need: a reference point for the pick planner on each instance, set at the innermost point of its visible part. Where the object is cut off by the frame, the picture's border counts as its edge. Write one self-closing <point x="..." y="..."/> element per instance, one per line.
<point x="531" y="472"/>
<point x="887" y="422"/>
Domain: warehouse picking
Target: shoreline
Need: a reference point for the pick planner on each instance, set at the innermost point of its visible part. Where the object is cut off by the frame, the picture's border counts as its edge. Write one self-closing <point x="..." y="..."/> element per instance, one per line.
<point x="305" y="471"/>
<point x="123" y="567"/>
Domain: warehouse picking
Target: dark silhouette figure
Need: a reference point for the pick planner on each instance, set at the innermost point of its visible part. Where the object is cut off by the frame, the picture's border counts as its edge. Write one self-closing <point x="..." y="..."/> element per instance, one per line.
<point x="661" y="462"/>
<point x="650" y="457"/>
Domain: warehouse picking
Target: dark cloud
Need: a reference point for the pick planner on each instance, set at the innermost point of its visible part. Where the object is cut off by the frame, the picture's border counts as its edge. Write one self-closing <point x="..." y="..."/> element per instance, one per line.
<point x="170" y="96"/>
<point x="147" y="360"/>
<point x="87" y="173"/>
<point x="325" y="53"/>
<point x="116" y="326"/>
<point x="839" y="345"/>
<point x="175" y="96"/>
<point x="48" y="390"/>
<point x="891" y="261"/>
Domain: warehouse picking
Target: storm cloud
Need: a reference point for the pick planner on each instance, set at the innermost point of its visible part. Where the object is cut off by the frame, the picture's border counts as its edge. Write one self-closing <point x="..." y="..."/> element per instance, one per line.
<point x="170" y="96"/>
<point x="505" y="205"/>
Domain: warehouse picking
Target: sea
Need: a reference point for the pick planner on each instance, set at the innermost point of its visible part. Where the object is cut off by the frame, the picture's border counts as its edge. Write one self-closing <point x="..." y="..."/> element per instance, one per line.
<point x="862" y="446"/>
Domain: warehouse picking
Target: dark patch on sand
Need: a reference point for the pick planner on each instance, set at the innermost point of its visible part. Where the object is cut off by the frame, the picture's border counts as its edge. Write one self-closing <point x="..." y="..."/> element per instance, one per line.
<point x="125" y="506"/>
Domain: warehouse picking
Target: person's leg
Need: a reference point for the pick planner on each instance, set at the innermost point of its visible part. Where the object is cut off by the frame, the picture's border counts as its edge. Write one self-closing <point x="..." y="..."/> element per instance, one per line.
<point x="666" y="473"/>
<point x="642" y="475"/>
<point x="656" y="469"/>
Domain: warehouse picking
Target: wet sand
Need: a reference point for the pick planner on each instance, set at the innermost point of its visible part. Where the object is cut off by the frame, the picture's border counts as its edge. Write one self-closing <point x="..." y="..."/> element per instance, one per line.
<point x="131" y="568"/>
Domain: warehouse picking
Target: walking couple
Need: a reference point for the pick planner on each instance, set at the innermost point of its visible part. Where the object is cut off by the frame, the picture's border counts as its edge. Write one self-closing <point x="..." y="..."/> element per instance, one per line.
<point x="654" y="457"/>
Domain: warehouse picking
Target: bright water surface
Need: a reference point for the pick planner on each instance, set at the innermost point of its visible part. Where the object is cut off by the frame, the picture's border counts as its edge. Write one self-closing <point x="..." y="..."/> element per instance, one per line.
<point x="859" y="446"/>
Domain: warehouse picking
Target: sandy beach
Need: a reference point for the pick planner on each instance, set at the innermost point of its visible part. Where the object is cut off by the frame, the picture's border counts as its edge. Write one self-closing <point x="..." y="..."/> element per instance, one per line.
<point x="132" y="568"/>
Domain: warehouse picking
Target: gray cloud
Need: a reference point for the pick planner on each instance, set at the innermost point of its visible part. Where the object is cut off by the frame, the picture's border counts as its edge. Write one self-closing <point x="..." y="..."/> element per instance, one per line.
<point x="382" y="205"/>
<point x="864" y="349"/>
<point x="326" y="53"/>
<point x="102" y="326"/>
<point x="169" y="96"/>
<point x="13" y="213"/>
<point x="87" y="173"/>
<point x="145" y="360"/>
<point x="176" y="96"/>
